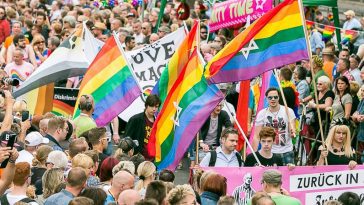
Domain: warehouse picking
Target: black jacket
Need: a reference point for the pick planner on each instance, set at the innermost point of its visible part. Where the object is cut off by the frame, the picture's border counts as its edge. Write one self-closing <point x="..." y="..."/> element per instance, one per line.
<point x="135" y="129"/>
<point x="223" y="121"/>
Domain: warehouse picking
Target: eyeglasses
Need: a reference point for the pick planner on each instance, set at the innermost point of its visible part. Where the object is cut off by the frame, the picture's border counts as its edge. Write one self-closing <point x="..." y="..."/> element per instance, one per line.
<point x="39" y="42"/>
<point x="275" y="97"/>
<point x="319" y="83"/>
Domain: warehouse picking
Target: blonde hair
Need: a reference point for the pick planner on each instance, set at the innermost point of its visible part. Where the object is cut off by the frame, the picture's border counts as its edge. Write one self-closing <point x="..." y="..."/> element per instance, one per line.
<point x="41" y="155"/>
<point x="38" y="38"/>
<point x="124" y="165"/>
<point x="145" y="170"/>
<point x="19" y="106"/>
<point x="179" y="193"/>
<point x="83" y="161"/>
<point x="50" y="180"/>
<point x="348" y="151"/>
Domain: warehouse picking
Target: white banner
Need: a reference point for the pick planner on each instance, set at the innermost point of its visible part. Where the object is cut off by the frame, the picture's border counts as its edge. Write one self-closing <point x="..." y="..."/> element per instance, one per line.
<point x="148" y="64"/>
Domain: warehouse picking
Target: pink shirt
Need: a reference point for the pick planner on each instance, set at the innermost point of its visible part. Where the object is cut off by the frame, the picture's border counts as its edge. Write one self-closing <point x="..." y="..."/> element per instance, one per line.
<point x="20" y="72"/>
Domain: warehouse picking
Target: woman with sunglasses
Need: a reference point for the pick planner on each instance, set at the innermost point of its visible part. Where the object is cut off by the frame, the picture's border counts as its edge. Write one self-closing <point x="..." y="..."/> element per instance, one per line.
<point x="337" y="150"/>
<point x="40" y="49"/>
<point x="325" y="99"/>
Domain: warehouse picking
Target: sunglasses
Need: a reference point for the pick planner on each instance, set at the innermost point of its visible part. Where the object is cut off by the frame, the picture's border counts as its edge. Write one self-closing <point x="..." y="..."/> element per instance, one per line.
<point x="272" y="97"/>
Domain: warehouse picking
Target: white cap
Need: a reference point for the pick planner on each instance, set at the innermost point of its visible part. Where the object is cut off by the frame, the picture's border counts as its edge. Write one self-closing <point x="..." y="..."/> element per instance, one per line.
<point x="35" y="139"/>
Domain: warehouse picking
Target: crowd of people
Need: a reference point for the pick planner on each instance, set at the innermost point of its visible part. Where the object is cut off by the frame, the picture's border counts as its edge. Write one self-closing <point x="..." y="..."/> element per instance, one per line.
<point x="50" y="159"/>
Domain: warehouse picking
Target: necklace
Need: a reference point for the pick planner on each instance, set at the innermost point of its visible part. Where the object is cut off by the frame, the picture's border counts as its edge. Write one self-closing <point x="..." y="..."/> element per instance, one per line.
<point x="274" y="113"/>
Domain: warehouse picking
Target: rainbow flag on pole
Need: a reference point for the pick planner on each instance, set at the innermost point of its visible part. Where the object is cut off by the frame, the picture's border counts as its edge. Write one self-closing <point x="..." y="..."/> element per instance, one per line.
<point x="187" y="101"/>
<point x="309" y="24"/>
<point x="327" y="33"/>
<point x="274" y="40"/>
<point x="111" y="83"/>
<point x="348" y="35"/>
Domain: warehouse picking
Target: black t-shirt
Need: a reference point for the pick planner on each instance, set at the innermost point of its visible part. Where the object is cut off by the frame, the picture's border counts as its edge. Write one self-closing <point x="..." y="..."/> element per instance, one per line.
<point x="333" y="159"/>
<point x="323" y="113"/>
<point x="274" y="161"/>
<point x="102" y="157"/>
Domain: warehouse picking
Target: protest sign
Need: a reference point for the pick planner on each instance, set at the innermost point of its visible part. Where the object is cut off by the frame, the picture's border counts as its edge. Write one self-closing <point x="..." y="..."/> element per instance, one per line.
<point x="64" y="100"/>
<point x="148" y="64"/>
<point x="233" y="12"/>
<point x="309" y="184"/>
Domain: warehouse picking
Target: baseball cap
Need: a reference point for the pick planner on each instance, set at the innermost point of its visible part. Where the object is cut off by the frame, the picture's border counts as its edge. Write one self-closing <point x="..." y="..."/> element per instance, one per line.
<point x="5" y="136"/>
<point x="35" y="139"/>
<point x="272" y="177"/>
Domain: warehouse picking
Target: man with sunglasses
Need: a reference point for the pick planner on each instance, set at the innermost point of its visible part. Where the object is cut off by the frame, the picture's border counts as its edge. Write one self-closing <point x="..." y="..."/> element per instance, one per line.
<point x="275" y="116"/>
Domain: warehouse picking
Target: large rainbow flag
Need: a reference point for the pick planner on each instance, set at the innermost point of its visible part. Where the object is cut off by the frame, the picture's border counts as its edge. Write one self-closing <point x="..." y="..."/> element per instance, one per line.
<point x="187" y="101"/>
<point x="111" y="83"/>
<point x="274" y="40"/>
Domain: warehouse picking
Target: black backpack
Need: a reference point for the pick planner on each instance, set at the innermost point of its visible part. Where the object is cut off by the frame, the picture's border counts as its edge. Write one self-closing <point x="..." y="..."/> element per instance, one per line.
<point x="214" y="156"/>
<point x="4" y="200"/>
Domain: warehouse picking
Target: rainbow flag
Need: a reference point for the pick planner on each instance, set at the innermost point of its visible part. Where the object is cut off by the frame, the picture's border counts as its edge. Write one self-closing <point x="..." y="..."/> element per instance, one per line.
<point x="327" y="33"/>
<point x="62" y="109"/>
<point x="111" y="83"/>
<point x="274" y="40"/>
<point x="187" y="101"/>
<point x="39" y="100"/>
<point x="185" y="108"/>
<point x="330" y="16"/>
<point x="309" y="24"/>
<point x="348" y="35"/>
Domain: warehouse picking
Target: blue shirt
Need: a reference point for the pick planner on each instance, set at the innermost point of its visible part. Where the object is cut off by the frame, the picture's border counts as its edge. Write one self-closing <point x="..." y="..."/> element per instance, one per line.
<point x="61" y="198"/>
<point x="109" y="199"/>
<point x="316" y="41"/>
<point x="222" y="159"/>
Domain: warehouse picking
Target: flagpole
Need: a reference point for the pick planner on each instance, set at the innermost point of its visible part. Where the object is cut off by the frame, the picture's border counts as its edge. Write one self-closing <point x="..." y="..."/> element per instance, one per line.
<point x="242" y="133"/>
<point x="285" y="103"/>
<point x="128" y="63"/>
<point x="308" y="45"/>
<point x="197" y="147"/>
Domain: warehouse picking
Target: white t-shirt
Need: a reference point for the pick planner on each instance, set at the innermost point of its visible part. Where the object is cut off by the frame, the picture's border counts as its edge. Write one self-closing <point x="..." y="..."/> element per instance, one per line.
<point x="279" y="122"/>
<point x="15" y="198"/>
<point x="25" y="156"/>
<point x="20" y="72"/>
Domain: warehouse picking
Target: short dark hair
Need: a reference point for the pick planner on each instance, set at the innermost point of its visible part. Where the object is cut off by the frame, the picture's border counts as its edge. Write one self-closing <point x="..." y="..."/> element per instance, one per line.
<point x="318" y="13"/>
<point x="166" y="175"/>
<point x="40" y="13"/>
<point x="98" y="195"/>
<point x="77" y="146"/>
<point x="346" y="62"/>
<point x="349" y="198"/>
<point x="76" y="177"/>
<point x="147" y="202"/>
<point x="271" y="89"/>
<point x="229" y="130"/>
<point x="152" y="100"/>
<point x="301" y="72"/>
<point x="17" y="38"/>
<point x="286" y="73"/>
<point x="81" y="201"/>
<point x="94" y="135"/>
<point x="128" y="39"/>
<point x="156" y="190"/>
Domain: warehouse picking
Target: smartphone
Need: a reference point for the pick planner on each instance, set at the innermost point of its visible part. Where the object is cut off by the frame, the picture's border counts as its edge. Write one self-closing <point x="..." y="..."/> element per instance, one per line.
<point x="11" y="138"/>
<point x="24" y="115"/>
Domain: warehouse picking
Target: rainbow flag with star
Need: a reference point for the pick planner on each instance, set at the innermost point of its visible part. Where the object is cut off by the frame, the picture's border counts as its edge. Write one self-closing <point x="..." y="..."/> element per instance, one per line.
<point x="327" y="33"/>
<point x="348" y="36"/>
<point x="275" y="39"/>
<point x="187" y="101"/>
<point x="111" y="83"/>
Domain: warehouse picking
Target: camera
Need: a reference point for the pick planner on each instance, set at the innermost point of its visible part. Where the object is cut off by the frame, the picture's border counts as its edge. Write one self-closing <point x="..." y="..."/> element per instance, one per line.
<point x="10" y="81"/>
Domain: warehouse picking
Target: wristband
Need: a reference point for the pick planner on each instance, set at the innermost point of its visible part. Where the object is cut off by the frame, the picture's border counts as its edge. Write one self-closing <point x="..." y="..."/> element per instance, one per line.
<point x="11" y="161"/>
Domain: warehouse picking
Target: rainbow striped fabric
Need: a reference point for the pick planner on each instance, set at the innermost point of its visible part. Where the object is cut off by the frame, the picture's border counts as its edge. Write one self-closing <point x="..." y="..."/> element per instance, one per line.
<point x="327" y="33"/>
<point x="348" y="35"/>
<point x="187" y="101"/>
<point x="274" y="40"/>
<point x="309" y="24"/>
<point x="111" y="83"/>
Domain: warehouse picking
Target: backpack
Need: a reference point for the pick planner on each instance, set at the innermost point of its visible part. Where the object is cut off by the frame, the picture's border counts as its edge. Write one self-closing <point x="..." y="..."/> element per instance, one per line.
<point x="214" y="156"/>
<point x="4" y="200"/>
